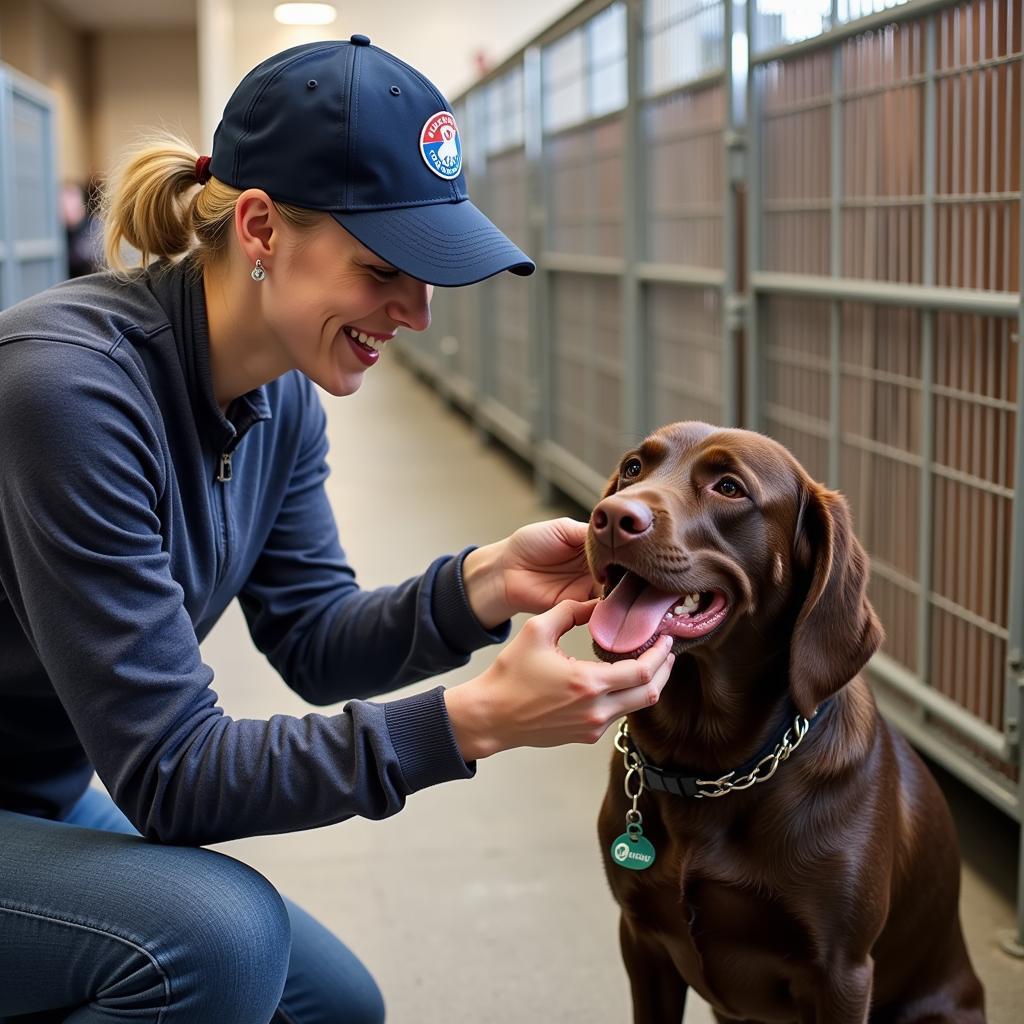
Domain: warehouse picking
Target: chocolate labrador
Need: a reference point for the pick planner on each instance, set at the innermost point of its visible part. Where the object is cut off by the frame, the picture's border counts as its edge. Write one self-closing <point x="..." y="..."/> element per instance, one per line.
<point x="771" y="842"/>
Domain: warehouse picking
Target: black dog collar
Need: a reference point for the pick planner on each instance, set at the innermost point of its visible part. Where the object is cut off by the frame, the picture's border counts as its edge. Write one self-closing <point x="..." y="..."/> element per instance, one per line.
<point x="761" y="767"/>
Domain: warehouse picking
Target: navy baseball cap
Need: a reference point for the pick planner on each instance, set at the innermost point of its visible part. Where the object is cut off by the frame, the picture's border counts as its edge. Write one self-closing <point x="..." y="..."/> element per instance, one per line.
<point x="347" y="128"/>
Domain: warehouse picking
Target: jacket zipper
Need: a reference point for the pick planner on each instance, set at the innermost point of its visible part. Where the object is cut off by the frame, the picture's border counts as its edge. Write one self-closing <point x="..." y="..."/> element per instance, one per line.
<point x="223" y="477"/>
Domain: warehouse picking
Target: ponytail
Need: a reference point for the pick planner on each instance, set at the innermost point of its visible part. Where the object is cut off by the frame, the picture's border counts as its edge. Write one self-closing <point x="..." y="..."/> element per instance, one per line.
<point x="155" y="205"/>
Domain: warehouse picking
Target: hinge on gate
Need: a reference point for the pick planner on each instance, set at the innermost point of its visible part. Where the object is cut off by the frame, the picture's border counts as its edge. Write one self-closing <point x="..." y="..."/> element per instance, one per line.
<point x="736" y="155"/>
<point x="735" y="312"/>
<point x="1011" y="723"/>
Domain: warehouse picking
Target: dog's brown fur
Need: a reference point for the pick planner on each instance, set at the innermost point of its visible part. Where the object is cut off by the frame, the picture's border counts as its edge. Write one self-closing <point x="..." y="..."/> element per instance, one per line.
<point x="828" y="894"/>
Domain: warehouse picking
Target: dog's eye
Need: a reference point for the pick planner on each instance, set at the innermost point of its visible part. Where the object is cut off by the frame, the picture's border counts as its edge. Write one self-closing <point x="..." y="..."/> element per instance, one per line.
<point x="632" y="468"/>
<point x="730" y="487"/>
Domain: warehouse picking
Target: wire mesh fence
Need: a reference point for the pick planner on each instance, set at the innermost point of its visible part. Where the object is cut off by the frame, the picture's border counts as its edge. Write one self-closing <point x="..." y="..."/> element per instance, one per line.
<point x="803" y="218"/>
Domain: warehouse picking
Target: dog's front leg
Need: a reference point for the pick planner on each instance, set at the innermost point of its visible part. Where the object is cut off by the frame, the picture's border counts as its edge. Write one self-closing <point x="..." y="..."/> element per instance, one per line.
<point x="841" y="996"/>
<point x="659" y="991"/>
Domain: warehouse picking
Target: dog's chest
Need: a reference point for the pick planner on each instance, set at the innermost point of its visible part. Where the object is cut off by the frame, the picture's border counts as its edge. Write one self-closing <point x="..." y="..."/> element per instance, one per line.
<point x="738" y="947"/>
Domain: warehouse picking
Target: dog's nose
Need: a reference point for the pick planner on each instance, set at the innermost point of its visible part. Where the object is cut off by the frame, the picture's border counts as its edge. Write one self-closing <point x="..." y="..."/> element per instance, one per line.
<point x="618" y="520"/>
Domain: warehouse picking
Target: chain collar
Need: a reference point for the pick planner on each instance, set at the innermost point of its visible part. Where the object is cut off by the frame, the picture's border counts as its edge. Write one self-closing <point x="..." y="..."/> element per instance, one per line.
<point x="641" y="774"/>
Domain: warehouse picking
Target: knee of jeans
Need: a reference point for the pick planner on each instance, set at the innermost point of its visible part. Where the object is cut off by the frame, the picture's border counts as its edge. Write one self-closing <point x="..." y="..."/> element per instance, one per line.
<point x="367" y="1007"/>
<point x="230" y="944"/>
<point x="330" y="995"/>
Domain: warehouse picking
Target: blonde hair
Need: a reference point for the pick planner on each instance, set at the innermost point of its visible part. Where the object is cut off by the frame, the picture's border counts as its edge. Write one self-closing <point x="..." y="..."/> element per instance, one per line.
<point x="154" y="204"/>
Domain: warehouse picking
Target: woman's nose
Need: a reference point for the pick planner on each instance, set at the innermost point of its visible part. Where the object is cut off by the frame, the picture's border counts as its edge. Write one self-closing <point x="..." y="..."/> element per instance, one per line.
<point x="412" y="307"/>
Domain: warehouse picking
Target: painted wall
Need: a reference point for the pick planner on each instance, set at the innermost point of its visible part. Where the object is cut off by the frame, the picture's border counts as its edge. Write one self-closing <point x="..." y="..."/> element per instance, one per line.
<point x="142" y="79"/>
<point x="111" y="83"/>
<point x="39" y="43"/>
<point x="440" y="39"/>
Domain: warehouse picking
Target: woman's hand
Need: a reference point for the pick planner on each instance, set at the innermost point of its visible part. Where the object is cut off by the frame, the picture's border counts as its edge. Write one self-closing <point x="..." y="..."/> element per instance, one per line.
<point x="535" y="695"/>
<point x="530" y="571"/>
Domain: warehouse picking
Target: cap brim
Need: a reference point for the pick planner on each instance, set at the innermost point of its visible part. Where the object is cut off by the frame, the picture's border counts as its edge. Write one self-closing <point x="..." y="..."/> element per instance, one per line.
<point x="447" y="244"/>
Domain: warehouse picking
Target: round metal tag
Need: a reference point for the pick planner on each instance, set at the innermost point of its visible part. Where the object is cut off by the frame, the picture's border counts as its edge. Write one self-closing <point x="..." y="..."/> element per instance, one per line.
<point x="632" y="851"/>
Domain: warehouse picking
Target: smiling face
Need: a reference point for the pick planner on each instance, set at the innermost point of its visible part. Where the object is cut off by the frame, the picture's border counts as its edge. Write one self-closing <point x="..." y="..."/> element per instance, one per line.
<point x="334" y="305"/>
<point x="695" y="533"/>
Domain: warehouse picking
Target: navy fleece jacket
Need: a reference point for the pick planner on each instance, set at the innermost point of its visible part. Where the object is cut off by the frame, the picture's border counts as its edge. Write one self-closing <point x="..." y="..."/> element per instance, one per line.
<point x="120" y="548"/>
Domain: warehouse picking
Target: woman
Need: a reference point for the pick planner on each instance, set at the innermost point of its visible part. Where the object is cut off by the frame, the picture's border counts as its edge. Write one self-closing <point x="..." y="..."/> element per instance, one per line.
<point x="163" y="453"/>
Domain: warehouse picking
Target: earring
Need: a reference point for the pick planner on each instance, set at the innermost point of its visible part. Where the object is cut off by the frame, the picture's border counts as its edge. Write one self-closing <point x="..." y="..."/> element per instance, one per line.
<point x="258" y="273"/>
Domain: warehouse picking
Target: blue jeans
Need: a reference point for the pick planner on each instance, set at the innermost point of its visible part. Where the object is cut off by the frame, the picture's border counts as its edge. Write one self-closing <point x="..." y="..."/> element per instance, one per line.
<point x="98" y="925"/>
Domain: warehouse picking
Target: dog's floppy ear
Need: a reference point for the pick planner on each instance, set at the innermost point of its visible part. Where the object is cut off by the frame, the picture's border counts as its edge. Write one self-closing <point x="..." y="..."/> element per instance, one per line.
<point x="836" y="628"/>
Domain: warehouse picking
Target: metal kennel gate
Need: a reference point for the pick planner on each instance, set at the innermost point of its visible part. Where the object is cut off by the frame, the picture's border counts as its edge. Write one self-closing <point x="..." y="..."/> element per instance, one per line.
<point x="883" y="343"/>
<point x="800" y="218"/>
<point x="32" y="253"/>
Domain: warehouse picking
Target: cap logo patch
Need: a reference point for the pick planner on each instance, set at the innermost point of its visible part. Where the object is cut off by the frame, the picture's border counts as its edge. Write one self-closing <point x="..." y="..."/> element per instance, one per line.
<point x="441" y="145"/>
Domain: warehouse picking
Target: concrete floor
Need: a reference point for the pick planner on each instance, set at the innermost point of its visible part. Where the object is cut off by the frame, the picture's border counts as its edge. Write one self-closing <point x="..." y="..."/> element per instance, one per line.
<point x="485" y="902"/>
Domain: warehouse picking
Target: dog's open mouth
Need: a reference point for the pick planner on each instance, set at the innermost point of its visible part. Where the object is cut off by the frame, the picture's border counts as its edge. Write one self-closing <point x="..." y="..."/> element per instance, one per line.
<point x="635" y="613"/>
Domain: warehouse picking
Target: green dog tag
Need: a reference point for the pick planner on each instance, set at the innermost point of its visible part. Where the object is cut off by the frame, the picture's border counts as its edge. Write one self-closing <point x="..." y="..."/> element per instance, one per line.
<point x="632" y="851"/>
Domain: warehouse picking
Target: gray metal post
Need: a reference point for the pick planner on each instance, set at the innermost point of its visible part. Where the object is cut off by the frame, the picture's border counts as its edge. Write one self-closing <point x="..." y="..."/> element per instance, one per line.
<point x="8" y="266"/>
<point x="636" y="369"/>
<point x="926" y="512"/>
<point x="483" y="315"/>
<point x="752" y="401"/>
<point x="836" y="157"/>
<point x="733" y="305"/>
<point x="1014" y="943"/>
<point x="539" y="361"/>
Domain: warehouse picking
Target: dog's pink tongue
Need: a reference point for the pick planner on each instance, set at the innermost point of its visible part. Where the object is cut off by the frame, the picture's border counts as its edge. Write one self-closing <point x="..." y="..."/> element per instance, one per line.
<point x="630" y="615"/>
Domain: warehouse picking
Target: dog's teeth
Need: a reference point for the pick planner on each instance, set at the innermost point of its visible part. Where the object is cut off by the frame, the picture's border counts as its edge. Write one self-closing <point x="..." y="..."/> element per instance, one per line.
<point x="679" y="609"/>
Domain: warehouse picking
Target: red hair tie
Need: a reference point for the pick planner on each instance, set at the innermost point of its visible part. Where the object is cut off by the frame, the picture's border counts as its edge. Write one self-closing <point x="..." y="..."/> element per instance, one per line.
<point x="203" y="170"/>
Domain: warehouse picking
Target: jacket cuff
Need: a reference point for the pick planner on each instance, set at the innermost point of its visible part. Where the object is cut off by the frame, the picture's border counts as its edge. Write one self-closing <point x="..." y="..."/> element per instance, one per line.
<point x="422" y="736"/>
<point x="459" y="627"/>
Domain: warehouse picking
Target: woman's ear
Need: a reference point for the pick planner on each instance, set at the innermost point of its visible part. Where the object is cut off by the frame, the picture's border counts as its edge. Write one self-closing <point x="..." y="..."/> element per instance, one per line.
<point x="255" y="218"/>
<point x="836" y="630"/>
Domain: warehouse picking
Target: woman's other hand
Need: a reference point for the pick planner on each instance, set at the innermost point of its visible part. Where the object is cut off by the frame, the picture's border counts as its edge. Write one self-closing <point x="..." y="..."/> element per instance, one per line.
<point x="535" y="695"/>
<point x="531" y="571"/>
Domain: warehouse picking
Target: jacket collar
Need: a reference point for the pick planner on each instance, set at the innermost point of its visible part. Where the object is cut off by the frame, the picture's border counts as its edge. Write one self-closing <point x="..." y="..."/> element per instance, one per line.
<point x="178" y="288"/>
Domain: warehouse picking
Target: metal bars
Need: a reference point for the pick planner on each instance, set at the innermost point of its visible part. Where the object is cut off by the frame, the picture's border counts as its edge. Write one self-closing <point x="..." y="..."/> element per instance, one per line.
<point x="822" y="241"/>
<point x="917" y="210"/>
<point x="32" y="247"/>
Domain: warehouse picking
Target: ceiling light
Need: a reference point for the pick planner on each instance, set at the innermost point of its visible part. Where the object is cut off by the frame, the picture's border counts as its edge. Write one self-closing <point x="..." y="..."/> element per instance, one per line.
<point x="305" y="14"/>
